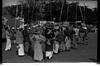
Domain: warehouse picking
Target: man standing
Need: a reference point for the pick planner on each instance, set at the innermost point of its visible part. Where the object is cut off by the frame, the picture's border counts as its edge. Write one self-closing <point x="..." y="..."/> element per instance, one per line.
<point x="56" y="43"/>
<point x="76" y="33"/>
<point x="19" y="40"/>
<point x="26" y="40"/>
<point x="60" y="38"/>
<point x="72" y="37"/>
<point x="13" y="35"/>
<point x="85" y="31"/>
<point x="8" y="43"/>
<point x="49" y="34"/>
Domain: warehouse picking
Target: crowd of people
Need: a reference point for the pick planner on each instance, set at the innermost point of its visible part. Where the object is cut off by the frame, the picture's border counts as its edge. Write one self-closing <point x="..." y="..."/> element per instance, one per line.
<point x="42" y="42"/>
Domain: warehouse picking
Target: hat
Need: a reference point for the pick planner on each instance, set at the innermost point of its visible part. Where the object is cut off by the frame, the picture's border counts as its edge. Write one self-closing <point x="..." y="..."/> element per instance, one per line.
<point x="13" y="28"/>
<point x="17" y="28"/>
<point x="25" y="25"/>
<point x="29" y="28"/>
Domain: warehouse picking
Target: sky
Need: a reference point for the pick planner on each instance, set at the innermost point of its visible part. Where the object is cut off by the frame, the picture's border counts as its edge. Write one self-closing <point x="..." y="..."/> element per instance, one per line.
<point x="91" y="4"/>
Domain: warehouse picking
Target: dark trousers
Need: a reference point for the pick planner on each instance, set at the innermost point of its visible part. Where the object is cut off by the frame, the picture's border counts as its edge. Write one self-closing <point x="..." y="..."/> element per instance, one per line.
<point x="49" y="47"/>
<point x="85" y="35"/>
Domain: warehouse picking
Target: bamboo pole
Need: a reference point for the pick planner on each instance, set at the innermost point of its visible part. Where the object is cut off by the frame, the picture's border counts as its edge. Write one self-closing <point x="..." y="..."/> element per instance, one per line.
<point x="16" y="15"/>
<point x="32" y="9"/>
<point x="67" y="11"/>
<point x="50" y="10"/>
<point x="84" y="11"/>
<point x="22" y="10"/>
<point x="28" y="12"/>
<point x="36" y="6"/>
<point x="81" y="12"/>
<point x="61" y="11"/>
<point x="76" y="12"/>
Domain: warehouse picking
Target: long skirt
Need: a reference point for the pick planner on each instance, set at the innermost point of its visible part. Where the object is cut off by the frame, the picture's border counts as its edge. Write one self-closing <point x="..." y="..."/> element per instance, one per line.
<point x="43" y="47"/>
<point x="8" y="45"/>
<point x="38" y="54"/>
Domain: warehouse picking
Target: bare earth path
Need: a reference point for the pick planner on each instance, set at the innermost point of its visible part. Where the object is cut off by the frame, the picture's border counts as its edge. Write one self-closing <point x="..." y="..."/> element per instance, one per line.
<point x="84" y="53"/>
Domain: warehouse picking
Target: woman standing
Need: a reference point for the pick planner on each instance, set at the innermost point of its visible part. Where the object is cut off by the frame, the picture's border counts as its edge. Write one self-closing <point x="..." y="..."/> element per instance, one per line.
<point x="38" y="54"/>
<point x="8" y="43"/>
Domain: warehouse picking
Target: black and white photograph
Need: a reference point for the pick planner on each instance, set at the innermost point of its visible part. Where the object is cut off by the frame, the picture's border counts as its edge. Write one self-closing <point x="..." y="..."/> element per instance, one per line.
<point x="49" y="31"/>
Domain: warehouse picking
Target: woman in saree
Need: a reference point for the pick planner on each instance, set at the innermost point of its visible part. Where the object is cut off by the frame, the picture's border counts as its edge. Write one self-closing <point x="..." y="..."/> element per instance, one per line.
<point x="37" y="47"/>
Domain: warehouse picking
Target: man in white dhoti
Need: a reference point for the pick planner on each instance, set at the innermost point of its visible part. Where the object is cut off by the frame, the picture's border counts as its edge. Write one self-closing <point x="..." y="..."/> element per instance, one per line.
<point x="49" y="50"/>
<point x="49" y="34"/>
<point x="8" y="43"/>
<point x="49" y="54"/>
<point x="19" y="40"/>
<point x="56" y="47"/>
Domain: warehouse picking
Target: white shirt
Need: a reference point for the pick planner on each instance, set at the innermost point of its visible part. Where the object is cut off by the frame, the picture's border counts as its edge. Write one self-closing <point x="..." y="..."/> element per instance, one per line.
<point x="76" y="31"/>
<point x="84" y="27"/>
<point x="7" y="35"/>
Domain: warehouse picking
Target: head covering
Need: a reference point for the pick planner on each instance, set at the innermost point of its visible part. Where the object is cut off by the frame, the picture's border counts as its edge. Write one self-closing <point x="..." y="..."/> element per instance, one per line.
<point x="37" y="30"/>
<point x="17" y="28"/>
<point x="13" y="28"/>
<point x="29" y="28"/>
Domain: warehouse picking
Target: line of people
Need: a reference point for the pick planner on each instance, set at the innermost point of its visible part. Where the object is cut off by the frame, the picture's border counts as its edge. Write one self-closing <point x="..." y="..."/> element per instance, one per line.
<point x="43" y="43"/>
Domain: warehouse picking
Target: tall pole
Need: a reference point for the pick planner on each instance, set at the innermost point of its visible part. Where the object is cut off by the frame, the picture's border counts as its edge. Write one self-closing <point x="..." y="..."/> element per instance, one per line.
<point x="22" y="10"/>
<point x="67" y="11"/>
<point x="84" y="11"/>
<point x="36" y="6"/>
<point x="76" y="12"/>
<point x="16" y="15"/>
<point x="81" y="12"/>
<point x="33" y="9"/>
<point x="50" y="10"/>
<point x="61" y="11"/>
<point x="28" y="12"/>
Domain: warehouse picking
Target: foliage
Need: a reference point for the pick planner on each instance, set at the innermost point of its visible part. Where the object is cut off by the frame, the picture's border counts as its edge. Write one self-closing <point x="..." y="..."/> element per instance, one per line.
<point x="48" y="9"/>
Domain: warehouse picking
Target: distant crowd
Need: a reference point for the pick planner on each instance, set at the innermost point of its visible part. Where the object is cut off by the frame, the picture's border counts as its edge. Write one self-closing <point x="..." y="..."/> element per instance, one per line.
<point x="42" y="42"/>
